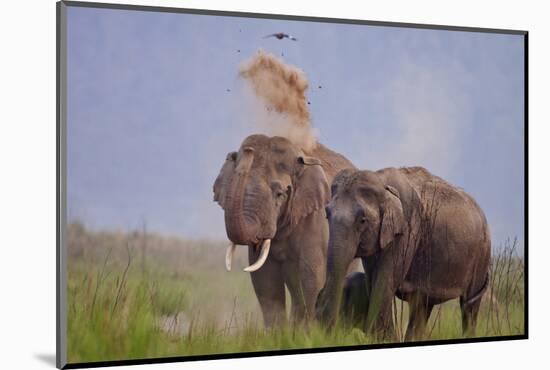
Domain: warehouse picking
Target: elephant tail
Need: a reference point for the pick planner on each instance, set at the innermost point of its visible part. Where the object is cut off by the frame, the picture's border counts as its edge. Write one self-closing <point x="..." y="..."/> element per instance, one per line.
<point x="479" y="293"/>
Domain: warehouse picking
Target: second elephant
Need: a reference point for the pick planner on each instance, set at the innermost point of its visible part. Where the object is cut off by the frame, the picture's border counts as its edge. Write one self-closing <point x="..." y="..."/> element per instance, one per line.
<point x="420" y="239"/>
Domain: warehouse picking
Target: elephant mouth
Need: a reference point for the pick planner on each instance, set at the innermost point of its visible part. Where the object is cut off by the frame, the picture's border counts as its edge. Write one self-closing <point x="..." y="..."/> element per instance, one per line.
<point x="264" y="246"/>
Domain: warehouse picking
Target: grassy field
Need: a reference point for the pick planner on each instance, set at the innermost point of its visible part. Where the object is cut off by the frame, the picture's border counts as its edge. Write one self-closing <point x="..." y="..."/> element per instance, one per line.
<point x="141" y="295"/>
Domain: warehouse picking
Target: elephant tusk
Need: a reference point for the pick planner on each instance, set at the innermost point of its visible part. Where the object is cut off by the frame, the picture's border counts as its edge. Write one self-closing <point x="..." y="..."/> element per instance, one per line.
<point x="263" y="256"/>
<point x="229" y="255"/>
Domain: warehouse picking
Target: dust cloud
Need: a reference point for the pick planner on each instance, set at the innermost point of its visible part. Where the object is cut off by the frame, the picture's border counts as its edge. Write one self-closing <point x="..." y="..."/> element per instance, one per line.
<point x="279" y="91"/>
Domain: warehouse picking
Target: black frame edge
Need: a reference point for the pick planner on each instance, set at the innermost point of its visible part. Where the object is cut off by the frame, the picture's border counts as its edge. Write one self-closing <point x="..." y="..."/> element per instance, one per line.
<point x="526" y="182"/>
<point x="57" y="256"/>
<point x="227" y="13"/>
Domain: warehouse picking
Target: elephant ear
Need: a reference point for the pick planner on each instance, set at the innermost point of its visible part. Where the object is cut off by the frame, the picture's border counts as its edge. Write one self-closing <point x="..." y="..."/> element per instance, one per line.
<point x="311" y="189"/>
<point x="393" y="219"/>
<point x="224" y="177"/>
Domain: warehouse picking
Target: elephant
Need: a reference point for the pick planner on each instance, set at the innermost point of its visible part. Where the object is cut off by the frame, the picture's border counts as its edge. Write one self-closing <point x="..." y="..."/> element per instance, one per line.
<point x="354" y="300"/>
<point x="420" y="239"/>
<point x="273" y="196"/>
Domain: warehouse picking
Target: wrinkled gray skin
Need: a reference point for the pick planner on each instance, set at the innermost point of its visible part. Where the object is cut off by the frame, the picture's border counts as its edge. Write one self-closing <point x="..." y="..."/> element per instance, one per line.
<point x="270" y="189"/>
<point x="420" y="239"/>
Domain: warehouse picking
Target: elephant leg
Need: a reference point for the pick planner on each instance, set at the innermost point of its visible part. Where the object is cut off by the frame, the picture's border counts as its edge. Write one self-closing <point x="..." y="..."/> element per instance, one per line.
<point x="388" y="273"/>
<point x="469" y="305"/>
<point x="268" y="283"/>
<point x="382" y="326"/>
<point x="469" y="316"/>
<point x="379" y="320"/>
<point x="305" y="265"/>
<point x="298" y="309"/>
<point x="304" y="284"/>
<point x="420" y="309"/>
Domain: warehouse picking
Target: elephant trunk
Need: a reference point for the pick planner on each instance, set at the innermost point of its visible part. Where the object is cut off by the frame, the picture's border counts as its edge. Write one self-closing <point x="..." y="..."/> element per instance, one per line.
<point x="241" y="222"/>
<point x="341" y="251"/>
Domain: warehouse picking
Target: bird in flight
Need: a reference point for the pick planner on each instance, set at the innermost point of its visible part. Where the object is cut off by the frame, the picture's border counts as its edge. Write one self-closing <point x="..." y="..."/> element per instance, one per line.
<point x="281" y="35"/>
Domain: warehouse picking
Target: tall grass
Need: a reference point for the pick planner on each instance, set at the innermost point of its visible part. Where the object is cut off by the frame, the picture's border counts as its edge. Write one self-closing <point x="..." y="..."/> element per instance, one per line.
<point x="140" y="295"/>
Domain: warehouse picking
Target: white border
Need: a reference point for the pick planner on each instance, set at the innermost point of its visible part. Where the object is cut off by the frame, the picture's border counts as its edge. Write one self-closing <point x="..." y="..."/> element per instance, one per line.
<point x="27" y="196"/>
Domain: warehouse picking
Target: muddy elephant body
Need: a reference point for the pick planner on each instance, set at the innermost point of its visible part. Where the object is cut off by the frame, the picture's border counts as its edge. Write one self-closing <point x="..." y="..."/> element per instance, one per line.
<point x="274" y="197"/>
<point x="419" y="238"/>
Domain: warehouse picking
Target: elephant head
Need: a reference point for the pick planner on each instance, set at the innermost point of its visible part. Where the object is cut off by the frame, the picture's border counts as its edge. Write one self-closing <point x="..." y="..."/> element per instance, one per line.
<point x="365" y="216"/>
<point x="265" y="189"/>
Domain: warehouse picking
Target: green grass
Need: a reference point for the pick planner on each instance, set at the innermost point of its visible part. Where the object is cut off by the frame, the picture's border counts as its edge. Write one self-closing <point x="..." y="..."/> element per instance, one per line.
<point x="134" y="296"/>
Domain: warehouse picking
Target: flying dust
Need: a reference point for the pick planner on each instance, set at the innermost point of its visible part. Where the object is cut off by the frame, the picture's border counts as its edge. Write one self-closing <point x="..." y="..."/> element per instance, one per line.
<point x="279" y="89"/>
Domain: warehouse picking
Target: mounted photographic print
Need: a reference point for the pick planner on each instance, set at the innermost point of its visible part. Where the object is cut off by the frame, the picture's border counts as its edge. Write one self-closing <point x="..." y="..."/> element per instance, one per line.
<point x="235" y="184"/>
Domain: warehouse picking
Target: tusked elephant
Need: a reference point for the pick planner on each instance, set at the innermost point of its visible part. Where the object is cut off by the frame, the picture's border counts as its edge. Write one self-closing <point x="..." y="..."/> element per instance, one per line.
<point x="420" y="239"/>
<point x="274" y="197"/>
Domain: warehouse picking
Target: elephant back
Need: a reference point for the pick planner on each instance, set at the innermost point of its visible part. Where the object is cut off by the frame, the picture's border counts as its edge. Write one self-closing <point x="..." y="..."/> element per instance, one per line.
<point x="331" y="161"/>
<point x="432" y="188"/>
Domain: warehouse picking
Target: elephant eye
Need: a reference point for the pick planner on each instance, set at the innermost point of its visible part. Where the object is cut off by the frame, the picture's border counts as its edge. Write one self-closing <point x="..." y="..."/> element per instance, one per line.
<point x="360" y="216"/>
<point x="278" y="190"/>
<point x="283" y="167"/>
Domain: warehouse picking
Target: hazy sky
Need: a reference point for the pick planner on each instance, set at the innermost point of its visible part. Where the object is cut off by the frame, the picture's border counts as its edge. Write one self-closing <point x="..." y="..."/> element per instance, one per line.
<point x="150" y="119"/>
